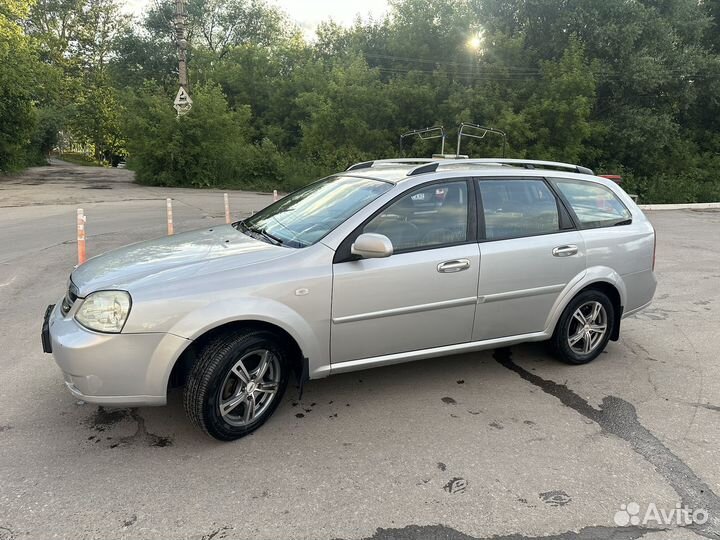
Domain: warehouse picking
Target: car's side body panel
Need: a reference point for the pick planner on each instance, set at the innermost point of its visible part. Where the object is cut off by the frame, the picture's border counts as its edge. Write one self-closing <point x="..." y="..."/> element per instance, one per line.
<point x="589" y="277"/>
<point x="435" y="352"/>
<point x="628" y="251"/>
<point x="520" y="280"/>
<point x="402" y="303"/>
<point x="295" y="297"/>
<point x="624" y="252"/>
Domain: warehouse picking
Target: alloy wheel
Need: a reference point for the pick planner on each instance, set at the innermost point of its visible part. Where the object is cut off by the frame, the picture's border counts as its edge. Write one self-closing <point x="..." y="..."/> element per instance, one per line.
<point x="587" y="327"/>
<point x="249" y="387"/>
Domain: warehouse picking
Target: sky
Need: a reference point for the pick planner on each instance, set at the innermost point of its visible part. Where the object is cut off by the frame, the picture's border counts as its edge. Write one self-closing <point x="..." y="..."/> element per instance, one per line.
<point x="308" y="13"/>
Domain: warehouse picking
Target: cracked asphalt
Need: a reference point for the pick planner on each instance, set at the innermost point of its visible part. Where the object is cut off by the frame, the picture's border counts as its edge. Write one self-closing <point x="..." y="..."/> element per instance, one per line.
<point x="505" y="444"/>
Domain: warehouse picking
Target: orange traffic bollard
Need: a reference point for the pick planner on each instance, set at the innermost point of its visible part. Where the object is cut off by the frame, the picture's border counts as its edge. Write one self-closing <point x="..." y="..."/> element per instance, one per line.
<point x="81" y="236"/>
<point x="171" y="229"/>
<point x="227" y="209"/>
<point x="275" y="196"/>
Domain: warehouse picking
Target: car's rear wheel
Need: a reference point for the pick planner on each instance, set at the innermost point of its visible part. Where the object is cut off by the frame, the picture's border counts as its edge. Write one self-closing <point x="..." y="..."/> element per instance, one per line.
<point x="584" y="328"/>
<point x="236" y="383"/>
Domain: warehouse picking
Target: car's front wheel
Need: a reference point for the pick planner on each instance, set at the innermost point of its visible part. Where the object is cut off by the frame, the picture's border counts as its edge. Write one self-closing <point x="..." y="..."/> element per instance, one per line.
<point x="584" y="328"/>
<point x="236" y="383"/>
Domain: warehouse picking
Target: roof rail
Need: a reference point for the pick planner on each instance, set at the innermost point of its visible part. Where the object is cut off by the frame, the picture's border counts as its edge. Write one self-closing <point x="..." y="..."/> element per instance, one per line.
<point x="396" y="161"/>
<point x="526" y="163"/>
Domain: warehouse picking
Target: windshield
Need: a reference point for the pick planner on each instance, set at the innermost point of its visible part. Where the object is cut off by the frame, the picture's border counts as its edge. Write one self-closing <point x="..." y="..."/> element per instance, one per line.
<point x="305" y="216"/>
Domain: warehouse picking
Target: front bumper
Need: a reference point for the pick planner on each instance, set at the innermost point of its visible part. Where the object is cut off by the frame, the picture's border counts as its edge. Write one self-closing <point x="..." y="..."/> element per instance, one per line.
<point x="112" y="369"/>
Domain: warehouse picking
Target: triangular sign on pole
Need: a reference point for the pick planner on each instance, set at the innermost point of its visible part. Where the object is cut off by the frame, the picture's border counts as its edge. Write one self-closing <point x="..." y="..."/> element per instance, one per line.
<point x="183" y="102"/>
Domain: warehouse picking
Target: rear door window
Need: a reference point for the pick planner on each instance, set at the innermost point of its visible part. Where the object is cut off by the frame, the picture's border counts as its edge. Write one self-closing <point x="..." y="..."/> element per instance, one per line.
<point x="594" y="204"/>
<point x="517" y="208"/>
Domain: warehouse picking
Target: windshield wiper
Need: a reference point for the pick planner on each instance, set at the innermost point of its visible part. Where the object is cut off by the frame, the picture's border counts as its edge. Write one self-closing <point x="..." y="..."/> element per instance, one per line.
<point x="262" y="232"/>
<point x="274" y="239"/>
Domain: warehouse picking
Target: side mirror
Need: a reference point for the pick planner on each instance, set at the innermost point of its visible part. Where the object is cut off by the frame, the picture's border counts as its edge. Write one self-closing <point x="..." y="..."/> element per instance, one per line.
<point x="372" y="246"/>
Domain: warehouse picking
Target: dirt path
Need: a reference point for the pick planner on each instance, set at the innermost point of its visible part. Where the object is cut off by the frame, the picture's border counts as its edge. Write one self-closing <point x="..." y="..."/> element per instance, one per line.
<point x="62" y="183"/>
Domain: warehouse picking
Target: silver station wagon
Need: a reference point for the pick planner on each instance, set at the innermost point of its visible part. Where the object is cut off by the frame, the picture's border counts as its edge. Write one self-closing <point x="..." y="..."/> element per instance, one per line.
<point x="387" y="262"/>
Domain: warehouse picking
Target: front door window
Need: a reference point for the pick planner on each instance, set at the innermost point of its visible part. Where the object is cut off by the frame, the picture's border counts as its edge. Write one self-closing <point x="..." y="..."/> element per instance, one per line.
<point x="427" y="217"/>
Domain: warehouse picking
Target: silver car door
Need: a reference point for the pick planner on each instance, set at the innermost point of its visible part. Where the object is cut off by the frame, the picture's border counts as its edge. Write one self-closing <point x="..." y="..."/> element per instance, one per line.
<point x="529" y="251"/>
<point x="423" y="295"/>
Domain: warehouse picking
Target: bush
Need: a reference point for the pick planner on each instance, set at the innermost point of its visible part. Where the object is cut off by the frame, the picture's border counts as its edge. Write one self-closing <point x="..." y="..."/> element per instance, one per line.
<point x="208" y="147"/>
<point x="201" y="149"/>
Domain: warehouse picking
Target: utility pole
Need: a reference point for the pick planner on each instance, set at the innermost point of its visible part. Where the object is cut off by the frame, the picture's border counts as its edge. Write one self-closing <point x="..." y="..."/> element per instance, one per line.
<point x="183" y="103"/>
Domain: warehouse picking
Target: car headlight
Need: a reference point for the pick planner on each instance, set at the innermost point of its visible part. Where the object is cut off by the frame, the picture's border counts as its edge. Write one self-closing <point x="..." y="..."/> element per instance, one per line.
<point x="104" y="311"/>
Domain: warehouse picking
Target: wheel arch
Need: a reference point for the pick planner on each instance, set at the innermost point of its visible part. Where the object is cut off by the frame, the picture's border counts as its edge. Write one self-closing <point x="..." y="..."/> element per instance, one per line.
<point x="185" y="361"/>
<point x="602" y="279"/>
<point x="609" y="290"/>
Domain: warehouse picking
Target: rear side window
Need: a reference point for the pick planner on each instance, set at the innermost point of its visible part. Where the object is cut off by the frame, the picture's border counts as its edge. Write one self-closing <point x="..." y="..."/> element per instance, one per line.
<point x="516" y="208"/>
<point x="594" y="204"/>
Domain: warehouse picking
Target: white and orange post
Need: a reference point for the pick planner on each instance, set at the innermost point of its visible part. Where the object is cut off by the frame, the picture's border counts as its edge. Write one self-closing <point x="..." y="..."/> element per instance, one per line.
<point x="275" y="195"/>
<point x="82" y="256"/>
<point x="171" y="229"/>
<point x="227" y="208"/>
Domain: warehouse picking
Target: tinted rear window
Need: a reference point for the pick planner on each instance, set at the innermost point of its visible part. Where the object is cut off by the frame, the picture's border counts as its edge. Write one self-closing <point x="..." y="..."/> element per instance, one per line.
<point x="516" y="208"/>
<point x="595" y="205"/>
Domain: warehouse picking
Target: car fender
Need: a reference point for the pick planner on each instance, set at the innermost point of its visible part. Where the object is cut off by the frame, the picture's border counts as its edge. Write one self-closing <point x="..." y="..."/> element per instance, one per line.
<point x="595" y="274"/>
<point x="198" y="322"/>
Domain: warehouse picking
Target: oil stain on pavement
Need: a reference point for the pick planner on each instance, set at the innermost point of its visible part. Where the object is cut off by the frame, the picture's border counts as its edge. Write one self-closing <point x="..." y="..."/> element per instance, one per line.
<point x="104" y="419"/>
<point x="555" y="498"/>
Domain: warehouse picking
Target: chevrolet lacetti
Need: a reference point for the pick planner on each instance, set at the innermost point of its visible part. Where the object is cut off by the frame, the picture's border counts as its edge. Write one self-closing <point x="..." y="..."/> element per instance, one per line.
<point x="387" y="262"/>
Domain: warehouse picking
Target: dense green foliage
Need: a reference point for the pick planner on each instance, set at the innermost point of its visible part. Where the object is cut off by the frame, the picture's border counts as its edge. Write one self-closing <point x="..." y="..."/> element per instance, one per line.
<point x="629" y="87"/>
<point x="21" y="86"/>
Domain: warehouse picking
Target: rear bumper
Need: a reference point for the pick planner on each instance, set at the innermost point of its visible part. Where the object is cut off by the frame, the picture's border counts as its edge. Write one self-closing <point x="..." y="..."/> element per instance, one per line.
<point x="636" y="310"/>
<point x="113" y="369"/>
<point x="640" y="287"/>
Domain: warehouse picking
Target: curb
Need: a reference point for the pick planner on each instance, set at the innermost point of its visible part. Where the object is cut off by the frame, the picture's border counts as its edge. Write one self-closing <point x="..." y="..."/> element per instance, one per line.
<point x="687" y="206"/>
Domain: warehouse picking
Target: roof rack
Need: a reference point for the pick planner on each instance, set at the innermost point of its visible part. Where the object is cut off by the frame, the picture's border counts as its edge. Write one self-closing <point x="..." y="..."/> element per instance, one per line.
<point x="426" y="134"/>
<point x="485" y="130"/>
<point x="525" y="163"/>
<point x="392" y="161"/>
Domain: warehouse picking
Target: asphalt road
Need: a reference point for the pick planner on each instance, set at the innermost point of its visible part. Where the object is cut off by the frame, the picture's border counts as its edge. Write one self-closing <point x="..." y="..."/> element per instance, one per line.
<point x="508" y="444"/>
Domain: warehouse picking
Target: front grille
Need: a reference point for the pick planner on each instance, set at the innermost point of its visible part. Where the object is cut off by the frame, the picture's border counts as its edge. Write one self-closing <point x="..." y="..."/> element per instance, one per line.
<point x="70" y="296"/>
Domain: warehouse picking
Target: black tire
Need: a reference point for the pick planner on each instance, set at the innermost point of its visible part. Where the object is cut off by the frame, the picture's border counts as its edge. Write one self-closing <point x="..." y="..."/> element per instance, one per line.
<point x="568" y="327"/>
<point x="213" y="372"/>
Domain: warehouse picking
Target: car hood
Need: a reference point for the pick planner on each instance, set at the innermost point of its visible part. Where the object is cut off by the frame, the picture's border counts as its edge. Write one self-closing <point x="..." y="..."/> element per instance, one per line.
<point x="183" y="254"/>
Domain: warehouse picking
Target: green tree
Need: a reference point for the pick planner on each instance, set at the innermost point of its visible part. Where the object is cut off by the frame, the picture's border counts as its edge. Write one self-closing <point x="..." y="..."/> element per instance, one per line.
<point x="560" y="109"/>
<point x="21" y="86"/>
<point x="202" y="149"/>
<point x="97" y="119"/>
<point x="348" y="118"/>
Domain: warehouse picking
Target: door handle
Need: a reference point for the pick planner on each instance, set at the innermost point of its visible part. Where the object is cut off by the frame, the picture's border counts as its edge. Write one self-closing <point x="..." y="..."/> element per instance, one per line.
<point x="565" y="251"/>
<point x="453" y="266"/>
